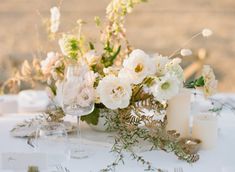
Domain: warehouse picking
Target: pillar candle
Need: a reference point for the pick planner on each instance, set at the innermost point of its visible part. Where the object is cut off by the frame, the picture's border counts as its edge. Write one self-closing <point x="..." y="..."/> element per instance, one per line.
<point x="205" y="129"/>
<point x="178" y="112"/>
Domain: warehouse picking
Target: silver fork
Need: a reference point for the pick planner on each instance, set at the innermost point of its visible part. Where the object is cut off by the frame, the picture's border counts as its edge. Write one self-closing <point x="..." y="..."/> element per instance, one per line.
<point x="178" y="169"/>
<point x="60" y="168"/>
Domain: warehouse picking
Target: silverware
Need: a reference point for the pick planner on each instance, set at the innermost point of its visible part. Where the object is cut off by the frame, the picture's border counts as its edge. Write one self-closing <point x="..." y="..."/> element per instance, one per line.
<point x="178" y="169"/>
<point x="60" y="168"/>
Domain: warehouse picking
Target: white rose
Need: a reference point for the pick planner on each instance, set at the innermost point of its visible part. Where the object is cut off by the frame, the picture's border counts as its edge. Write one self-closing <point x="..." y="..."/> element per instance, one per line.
<point x="47" y="64"/>
<point x="136" y="67"/>
<point x="167" y="87"/>
<point x="114" y="92"/>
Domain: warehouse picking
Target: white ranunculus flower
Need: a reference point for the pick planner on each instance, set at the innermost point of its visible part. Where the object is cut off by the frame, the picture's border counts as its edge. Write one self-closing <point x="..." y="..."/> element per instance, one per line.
<point x="136" y="67"/>
<point x="114" y="92"/>
<point x="167" y="87"/>
<point x="210" y="82"/>
<point x="50" y="60"/>
<point x="160" y="64"/>
<point x="55" y="19"/>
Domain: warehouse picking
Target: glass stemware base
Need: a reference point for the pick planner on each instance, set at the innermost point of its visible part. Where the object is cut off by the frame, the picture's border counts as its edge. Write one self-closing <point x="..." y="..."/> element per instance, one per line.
<point x="78" y="148"/>
<point x="79" y="151"/>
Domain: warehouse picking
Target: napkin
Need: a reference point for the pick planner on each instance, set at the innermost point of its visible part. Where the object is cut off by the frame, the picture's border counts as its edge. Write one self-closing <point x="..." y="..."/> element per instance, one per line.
<point x="33" y="101"/>
<point x="8" y="104"/>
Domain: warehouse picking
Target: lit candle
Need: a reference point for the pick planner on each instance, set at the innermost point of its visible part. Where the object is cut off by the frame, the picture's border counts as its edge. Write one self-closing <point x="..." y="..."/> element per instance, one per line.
<point x="205" y="129"/>
<point x="178" y="112"/>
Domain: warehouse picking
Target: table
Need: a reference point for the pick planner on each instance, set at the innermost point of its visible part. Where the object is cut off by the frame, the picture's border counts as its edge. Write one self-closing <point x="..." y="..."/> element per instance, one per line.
<point x="210" y="160"/>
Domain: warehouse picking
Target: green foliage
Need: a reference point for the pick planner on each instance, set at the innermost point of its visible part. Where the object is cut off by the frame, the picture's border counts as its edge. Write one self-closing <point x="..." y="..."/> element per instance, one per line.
<point x="92" y="118"/>
<point x="33" y="169"/>
<point x="109" y="55"/>
<point x="91" y="45"/>
<point x="196" y="83"/>
<point x="129" y="134"/>
<point x="74" y="48"/>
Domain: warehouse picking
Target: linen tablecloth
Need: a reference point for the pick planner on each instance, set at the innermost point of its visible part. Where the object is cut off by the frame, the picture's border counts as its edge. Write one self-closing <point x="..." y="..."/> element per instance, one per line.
<point x="222" y="157"/>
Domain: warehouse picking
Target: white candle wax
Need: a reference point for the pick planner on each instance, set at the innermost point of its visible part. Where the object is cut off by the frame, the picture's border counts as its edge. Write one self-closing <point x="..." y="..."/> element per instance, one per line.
<point x="205" y="129"/>
<point x="178" y="112"/>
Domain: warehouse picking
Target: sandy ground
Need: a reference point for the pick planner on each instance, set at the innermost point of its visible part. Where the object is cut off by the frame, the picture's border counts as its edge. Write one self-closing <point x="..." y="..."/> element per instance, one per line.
<point x="157" y="26"/>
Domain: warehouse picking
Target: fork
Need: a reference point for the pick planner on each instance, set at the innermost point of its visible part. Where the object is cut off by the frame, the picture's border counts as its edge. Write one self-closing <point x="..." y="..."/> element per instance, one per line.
<point x="60" y="168"/>
<point x="179" y="169"/>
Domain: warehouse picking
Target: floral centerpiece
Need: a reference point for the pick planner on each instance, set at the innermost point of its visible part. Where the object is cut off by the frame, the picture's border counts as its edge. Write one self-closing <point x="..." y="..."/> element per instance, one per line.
<point x="132" y="88"/>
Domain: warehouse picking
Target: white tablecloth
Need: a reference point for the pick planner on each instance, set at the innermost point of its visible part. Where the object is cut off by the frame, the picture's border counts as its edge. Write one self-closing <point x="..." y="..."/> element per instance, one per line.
<point x="210" y="161"/>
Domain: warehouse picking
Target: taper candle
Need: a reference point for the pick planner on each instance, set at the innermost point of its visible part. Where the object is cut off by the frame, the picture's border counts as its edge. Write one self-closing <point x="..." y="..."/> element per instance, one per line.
<point x="205" y="129"/>
<point x="178" y="112"/>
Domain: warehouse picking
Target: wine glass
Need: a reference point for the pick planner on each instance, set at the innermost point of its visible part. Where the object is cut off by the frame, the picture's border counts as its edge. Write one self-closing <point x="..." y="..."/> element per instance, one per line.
<point x="78" y="100"/>
<point x="51" y="139"/>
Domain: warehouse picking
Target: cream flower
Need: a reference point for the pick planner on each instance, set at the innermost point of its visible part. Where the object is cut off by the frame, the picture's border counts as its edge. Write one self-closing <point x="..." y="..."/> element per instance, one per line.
<point x="160" y="64"/>
<point x="91" y="57"/>
<point x="112" y="70"/>
<point x="167" y="87"/>
<point x="86" y="96"/>
<point x="70" y="90"/>
<point x="114" y="92"/>
<point x="55" y="19"/>
<point x="47" y="64"/>
<point x="69" y="45"/>
<point x="174" y="68"/>
<point x="209" y="81"/>
<point x="136" y="67"/>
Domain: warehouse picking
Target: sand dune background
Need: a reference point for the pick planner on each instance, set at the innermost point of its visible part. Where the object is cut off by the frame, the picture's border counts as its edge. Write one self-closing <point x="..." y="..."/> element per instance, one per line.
<point x="156" y="26"/>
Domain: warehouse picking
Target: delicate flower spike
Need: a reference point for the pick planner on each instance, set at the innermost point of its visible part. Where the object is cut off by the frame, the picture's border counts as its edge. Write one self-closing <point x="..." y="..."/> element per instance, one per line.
<point x="55" y="19"/>
<point x="206" y="32"/>
<point x="185" y="52"/>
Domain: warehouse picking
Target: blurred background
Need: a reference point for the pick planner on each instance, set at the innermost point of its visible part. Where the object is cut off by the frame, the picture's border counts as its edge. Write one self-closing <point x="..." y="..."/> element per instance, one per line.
<point x="156" y="26"/>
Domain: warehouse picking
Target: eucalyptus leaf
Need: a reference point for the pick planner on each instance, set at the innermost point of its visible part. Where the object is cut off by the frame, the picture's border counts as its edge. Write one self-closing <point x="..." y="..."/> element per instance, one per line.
<point x="92" y="118"/>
